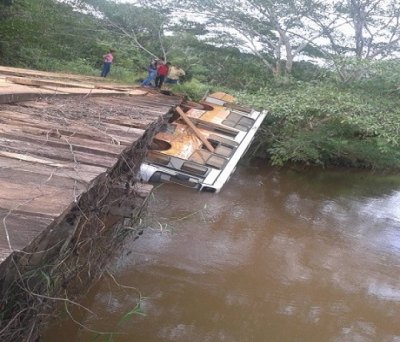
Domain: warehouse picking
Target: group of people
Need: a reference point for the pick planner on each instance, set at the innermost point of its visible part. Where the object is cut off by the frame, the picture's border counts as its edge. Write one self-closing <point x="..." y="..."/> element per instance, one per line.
<point x="158" y="71"/>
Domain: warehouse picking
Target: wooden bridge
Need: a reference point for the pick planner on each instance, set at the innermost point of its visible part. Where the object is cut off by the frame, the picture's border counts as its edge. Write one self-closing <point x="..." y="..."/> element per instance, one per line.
<point x="59" y="134"/>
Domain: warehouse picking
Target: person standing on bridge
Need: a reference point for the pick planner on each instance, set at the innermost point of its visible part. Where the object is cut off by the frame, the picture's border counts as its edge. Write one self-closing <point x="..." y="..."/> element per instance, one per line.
<point x="107" y="61"/>
<point x="174" y="74"/>
<point x="151" y="73"/>
<point x="162" y="72"/>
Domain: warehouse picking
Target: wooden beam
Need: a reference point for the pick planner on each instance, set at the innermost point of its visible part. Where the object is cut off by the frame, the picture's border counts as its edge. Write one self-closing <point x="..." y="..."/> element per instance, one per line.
<point x="66" y="152"/>
<point x="80" y="173"/>
<point x="43" y="82"/>
<point x="31" y="159"/>
<point x="16" y="97"/>
<point x="195" y="129"/>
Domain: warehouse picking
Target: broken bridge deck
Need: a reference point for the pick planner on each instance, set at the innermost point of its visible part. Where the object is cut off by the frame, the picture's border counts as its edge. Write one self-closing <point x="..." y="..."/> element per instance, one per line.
<point x="58" y="133"/>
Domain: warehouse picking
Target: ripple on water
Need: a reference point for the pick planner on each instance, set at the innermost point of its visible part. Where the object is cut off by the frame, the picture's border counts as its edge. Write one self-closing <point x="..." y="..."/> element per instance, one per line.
<point x="385" y="291"/>
<point x="282" y="255"/>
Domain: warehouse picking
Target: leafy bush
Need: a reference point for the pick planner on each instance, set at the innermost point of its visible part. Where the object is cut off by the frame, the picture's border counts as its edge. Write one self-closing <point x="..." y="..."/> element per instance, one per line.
<point x="194" y="89"/>
<point x="327" y="124"/>
<point x="122" y="74"/>
<point x="382" y="77"/>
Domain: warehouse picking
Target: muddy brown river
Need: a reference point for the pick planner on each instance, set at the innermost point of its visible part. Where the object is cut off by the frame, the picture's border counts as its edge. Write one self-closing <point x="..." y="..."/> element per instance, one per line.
<point x="278" y="255"/>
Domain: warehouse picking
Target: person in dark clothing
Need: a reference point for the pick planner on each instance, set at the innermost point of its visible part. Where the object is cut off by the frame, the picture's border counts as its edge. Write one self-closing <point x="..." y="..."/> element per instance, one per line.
<point x="162" y="72"/>
<point x="152" y="73"/>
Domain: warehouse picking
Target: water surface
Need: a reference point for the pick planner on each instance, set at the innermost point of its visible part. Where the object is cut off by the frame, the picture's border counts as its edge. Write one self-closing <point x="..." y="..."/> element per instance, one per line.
<point x="278" y="255"/>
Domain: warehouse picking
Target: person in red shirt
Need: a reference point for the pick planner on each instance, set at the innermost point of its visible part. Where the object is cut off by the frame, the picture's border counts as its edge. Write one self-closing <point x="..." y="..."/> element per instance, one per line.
<point x="162" y="72"/>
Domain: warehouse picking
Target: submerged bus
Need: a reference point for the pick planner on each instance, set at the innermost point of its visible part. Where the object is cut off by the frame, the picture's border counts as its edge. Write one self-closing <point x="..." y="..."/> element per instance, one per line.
<point x="202" y="143"/>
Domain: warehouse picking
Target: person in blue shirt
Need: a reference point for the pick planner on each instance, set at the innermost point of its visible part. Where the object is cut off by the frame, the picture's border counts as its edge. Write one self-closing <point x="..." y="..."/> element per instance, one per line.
<point x="152" y="73"/>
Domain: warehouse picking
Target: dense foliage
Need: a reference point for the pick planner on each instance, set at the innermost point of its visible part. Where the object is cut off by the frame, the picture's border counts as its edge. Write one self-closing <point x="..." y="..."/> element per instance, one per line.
<point x="52" y="35"/>
<point x="345" y="113"/>
<point x="329" y="124"/>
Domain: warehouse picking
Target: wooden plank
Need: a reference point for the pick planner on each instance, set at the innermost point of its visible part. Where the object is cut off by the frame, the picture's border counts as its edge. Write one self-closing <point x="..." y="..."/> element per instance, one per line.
<point x="31" y="93"/>
<point x="60" y="76"/>
<point x="58" y="154"/>
<point x="4" y="253"/>
<point x="104" y="132"/>
<point x="195" y="130"/>
<point x="78" y="144"/>
<point x="80" y="172"/>
<point x="31" y="159"/>
<point x="143" y="124"/>
<point x="15" y="97"/>
<point x="137" y="103"/>
<point x="36" y="73"/>
<point x="44" y="82"/>
<point x="136" y="92"/>
<point x="151" y="99"/>
<point x="37" y="104"/>
<point x="81" y="91"/>
<point x="30" y="177"/>
<point x="31" y="118"/>
<point x="37" y="199"/>
<point x="19" y="229"/>
<point x="45" y="130"/>
<point x="64" y="123"/>
<point x="114" y="128"/>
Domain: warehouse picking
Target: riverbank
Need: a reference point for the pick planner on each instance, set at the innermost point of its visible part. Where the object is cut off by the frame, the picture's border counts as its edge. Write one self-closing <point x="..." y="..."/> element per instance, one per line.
<point x="328" y="124"/>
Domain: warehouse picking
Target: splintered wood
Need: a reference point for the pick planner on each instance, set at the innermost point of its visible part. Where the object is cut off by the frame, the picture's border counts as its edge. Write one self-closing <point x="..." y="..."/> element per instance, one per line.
<point x="53" y="147"/>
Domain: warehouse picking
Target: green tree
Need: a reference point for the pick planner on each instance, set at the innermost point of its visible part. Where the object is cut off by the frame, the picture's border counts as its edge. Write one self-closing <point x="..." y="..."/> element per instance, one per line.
<point x="141" y="27"/>
<point x="36" y="32"/>
<point x="277" y="32"/>
<point x="369" y="30"/>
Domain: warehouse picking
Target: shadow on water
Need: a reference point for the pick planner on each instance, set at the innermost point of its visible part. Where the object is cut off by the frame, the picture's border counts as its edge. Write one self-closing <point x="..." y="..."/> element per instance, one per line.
<point x="278" y="255"/>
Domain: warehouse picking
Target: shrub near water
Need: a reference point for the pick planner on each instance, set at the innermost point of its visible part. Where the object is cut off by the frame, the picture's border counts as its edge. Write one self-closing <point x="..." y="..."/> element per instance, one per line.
<point x="325" y="124"/>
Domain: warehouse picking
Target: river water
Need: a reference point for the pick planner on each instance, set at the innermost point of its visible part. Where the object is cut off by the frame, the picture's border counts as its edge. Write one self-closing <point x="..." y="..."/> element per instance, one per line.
<point x="278" y="255"/>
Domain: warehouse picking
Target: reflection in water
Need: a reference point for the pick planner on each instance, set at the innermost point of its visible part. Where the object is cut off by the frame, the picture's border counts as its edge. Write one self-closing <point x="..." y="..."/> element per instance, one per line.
<point x="278" y="255"/>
